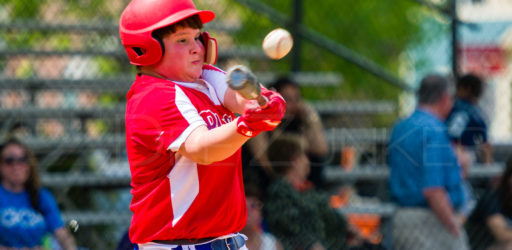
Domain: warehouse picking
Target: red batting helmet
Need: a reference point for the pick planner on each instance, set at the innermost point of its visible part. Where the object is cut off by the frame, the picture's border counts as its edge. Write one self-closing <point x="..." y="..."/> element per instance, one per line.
<point x="141" y="17"/>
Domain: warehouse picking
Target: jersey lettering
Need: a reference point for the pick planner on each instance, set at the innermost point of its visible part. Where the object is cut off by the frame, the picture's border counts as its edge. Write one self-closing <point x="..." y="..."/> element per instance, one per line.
<point x="457" y="125"/>
<point x="24" y="218"/>
<point x="213" y="120"/>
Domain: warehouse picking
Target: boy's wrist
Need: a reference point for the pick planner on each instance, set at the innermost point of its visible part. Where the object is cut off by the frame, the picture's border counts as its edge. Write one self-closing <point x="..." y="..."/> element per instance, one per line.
<point x="243" y="129"/>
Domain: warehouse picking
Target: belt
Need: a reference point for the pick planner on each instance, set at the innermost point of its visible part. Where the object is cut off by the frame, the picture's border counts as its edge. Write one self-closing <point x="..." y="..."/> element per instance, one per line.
<point x="184" y="241"/>
<point x="231" y="243"/>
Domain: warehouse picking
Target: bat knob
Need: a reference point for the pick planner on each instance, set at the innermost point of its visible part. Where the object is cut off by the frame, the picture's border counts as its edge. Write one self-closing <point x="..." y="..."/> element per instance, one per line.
<point x="262" y="101"/>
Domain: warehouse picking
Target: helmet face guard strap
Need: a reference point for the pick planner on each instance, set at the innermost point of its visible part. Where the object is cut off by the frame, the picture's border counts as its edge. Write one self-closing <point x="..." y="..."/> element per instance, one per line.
<point x="141" y="17"/>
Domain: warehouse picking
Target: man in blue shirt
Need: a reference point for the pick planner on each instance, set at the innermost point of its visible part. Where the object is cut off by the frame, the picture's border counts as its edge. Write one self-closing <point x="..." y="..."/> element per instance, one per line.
<point x="425" y="176"/>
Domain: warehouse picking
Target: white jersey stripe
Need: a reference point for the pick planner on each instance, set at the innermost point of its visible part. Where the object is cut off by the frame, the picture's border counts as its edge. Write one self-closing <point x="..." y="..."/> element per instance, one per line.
<point x="203" y="88"/>
<point x="184" y="184"/>
<point x="189" y="112"/>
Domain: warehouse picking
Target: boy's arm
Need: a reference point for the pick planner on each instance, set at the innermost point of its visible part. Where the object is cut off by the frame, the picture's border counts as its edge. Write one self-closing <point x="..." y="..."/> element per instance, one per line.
<point x="206" y="146"/>
<point x="229" y="98"/>
<point x="234" y="102"/>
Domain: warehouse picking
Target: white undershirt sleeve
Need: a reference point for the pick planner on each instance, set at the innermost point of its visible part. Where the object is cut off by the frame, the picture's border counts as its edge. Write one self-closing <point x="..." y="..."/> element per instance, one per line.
<point x="217" y="79"/>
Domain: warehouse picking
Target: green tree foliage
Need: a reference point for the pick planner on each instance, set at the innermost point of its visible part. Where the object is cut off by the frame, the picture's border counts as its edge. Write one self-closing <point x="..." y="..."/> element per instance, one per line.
<point x="22" y="9"/>
<point x="378" y="30"/>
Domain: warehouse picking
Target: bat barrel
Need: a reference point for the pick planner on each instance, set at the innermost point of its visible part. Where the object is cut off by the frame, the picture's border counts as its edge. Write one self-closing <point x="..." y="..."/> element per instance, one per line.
<point x="241" y="79"/>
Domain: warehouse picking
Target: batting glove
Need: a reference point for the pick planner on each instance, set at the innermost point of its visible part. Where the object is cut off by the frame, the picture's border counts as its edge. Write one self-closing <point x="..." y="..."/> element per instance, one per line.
<point x="256" y="119"/>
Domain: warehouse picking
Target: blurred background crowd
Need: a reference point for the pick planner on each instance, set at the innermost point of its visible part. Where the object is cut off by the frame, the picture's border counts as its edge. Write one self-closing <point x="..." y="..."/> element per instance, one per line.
<point x="353" y="75"/>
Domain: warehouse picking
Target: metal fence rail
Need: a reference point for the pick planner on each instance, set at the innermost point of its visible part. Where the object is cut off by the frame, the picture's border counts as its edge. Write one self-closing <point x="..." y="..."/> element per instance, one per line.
<point x="114" y="112"/>
<point x="336" y="175"/>
<point x="252" y="52"/>
<point x="332" y="174"/>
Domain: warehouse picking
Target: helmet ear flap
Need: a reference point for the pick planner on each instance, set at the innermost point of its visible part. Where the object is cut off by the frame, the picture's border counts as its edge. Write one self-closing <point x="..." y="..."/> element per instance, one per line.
<point x="210" y="47"/>
<point x="141" y="51"/>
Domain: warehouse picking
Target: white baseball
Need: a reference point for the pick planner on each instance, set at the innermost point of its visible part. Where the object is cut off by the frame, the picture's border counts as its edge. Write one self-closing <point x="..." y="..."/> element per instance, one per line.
<point x="277" y="43"/>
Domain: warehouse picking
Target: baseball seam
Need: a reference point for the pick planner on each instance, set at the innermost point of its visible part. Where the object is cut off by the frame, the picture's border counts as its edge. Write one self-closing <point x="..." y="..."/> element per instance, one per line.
<point x="278" y="52"/>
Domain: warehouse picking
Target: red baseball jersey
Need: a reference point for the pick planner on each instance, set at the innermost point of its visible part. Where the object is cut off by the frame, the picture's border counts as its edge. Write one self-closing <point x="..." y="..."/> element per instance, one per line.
<point x="174" y="197"/>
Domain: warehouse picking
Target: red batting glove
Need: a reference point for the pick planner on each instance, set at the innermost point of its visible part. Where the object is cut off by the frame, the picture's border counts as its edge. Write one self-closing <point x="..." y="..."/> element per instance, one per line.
<point x="256" y="119"/>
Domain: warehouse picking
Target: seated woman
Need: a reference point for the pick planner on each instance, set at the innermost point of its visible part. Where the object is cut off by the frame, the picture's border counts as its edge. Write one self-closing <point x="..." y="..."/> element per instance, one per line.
<point x="28" y="211"/>
<point x="258" y="239"/>
<point x="490" y="224"/>
<point x="296" y="214"/>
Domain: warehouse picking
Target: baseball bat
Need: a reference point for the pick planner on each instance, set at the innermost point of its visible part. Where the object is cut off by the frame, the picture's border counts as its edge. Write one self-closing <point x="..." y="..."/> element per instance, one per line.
<point x="242" y="80"/>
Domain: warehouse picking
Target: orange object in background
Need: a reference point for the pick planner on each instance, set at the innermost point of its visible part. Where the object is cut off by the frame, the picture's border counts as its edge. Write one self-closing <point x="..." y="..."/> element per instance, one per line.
<point x="340" y="199"/>
<point x="368" y="226"/>
<point x="347" y="158"/>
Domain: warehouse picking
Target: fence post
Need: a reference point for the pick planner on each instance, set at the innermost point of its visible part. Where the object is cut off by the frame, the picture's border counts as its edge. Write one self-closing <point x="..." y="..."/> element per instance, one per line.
<point x="455" y="40"/>
<point x="296" y="22"/>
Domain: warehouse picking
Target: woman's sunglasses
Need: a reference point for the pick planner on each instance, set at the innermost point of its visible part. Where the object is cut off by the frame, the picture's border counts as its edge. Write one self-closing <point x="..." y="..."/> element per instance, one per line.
<point x="11" y="160"/>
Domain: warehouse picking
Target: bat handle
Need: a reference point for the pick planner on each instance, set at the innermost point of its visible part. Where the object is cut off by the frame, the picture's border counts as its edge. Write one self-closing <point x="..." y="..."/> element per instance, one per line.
<point x="262" y="101"/>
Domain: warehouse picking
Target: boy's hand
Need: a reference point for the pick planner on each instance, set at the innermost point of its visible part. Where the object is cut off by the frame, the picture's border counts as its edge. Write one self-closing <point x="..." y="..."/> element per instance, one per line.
<point x="256" y="119"/>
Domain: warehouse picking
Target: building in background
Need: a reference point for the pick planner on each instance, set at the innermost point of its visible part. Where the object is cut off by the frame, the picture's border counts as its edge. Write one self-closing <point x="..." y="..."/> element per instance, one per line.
<point x="484" y="47"/>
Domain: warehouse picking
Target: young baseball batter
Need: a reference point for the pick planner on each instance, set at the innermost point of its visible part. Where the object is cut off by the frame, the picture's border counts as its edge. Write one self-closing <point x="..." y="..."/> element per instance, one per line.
<point x="182" y="137"/>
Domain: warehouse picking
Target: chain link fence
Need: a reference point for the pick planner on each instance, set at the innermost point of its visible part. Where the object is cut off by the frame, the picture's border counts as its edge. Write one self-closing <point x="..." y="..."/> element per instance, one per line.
<point x="64" y="76"/>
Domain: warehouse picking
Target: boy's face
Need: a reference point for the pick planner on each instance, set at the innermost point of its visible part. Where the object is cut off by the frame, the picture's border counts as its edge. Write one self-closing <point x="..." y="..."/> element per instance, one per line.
<point x="183" y="57"/>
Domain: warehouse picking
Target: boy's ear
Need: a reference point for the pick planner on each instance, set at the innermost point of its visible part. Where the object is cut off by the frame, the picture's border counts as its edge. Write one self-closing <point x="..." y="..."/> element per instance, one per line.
<point x="210" y="47"/>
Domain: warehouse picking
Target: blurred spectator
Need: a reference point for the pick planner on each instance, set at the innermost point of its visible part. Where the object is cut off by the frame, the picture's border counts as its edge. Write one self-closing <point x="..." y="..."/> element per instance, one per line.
<point x="51" y="128"/>
<point x="19" y="130"/>
<point x="425" y="178"/>
<point x="468" y="130"/>
<point x="50" y="99"/>
<point x="466" y="126"/>
<point x="19" y="67"/>
<point x="300" y="118"/>
<point x="13" y="99"/>
<point x="258" y="239"/>
<point x="490" y="224"/>
<point x="28" y="211"/>
<point x="86" y="99"/>
<point x="50" y="67"/>
<point x="296" y="214"/>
